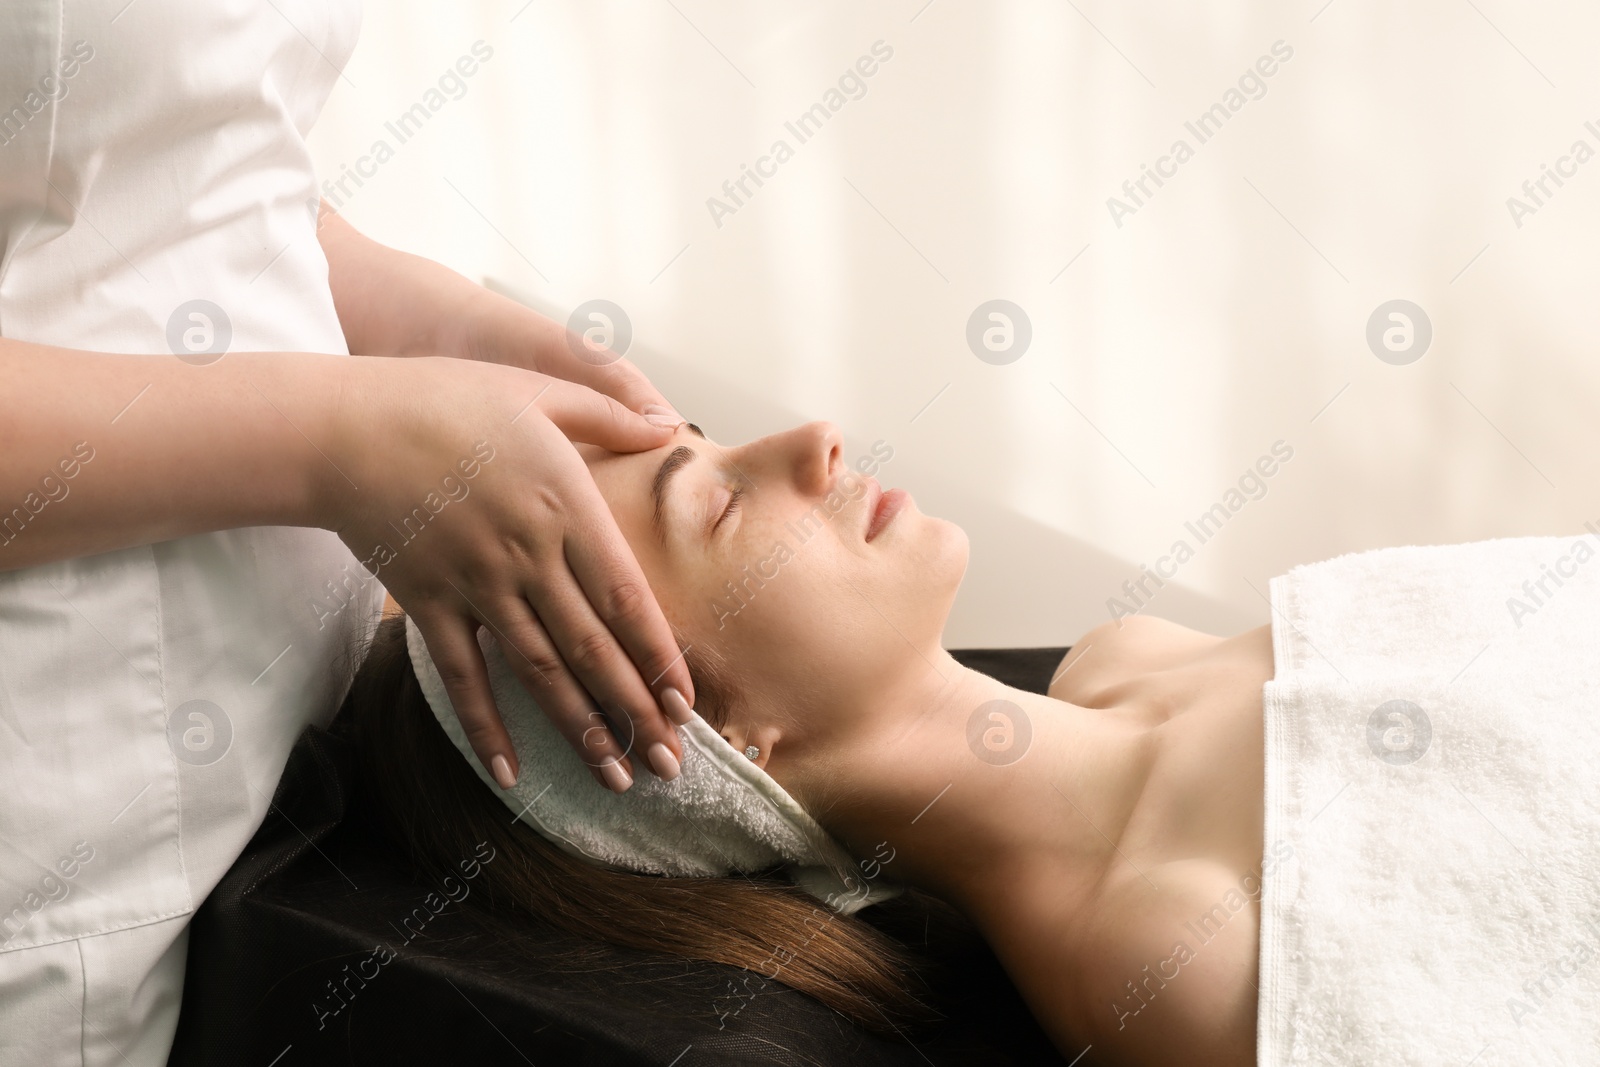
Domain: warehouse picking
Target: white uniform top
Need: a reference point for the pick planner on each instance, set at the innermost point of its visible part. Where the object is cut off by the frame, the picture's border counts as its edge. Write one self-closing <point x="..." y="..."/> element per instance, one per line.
<point x="152" y="153"/>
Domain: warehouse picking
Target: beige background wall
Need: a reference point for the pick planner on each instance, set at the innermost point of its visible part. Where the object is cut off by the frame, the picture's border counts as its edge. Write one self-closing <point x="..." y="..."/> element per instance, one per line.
<point x="1228" y="312"/>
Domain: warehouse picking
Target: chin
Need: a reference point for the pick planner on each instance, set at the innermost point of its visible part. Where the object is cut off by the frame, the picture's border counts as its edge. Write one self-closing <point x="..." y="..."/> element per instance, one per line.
<point x="957" y="551"/>
<point x="942" y="550"/>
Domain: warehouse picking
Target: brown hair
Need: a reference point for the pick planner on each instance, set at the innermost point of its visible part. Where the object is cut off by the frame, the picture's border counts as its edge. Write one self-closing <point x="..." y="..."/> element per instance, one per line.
<point x="422" y="793"/>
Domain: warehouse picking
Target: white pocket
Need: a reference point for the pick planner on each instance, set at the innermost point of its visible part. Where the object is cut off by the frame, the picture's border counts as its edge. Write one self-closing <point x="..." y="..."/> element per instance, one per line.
<point x="89" y="819"/>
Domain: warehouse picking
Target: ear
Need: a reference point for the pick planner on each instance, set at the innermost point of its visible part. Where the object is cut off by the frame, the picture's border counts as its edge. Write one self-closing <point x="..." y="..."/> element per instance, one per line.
<point x="765" y="738"/>
<point x="736" y="736"/>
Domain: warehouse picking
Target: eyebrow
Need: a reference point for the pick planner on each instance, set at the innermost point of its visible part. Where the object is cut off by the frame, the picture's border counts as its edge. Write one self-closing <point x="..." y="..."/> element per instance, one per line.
<point x="676" y="460"/>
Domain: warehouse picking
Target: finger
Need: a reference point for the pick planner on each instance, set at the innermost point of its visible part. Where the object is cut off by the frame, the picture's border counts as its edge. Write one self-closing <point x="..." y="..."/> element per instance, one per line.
<point x="615" y="586"/>
<point x="562" y="354"/>
<point x="600" y="662"/>
<point x="453" y="646"/>
<point x="594" y="418"/>
<point x="533" y="658"/>
<point x="626" y="383"/>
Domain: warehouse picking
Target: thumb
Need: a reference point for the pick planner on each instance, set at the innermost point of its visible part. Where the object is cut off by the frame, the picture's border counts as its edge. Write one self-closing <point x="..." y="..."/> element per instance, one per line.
<point x="596" y="419"/>
<point x="622" y="381"/>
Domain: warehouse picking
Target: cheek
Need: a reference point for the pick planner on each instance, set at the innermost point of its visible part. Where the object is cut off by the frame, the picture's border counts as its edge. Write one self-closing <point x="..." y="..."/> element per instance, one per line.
<point x="686" y="586"/>
<point x="774" y="601"/>
<point x="817" y="616"/>
<point x="913" y="586"/>
<point x="923" y="564"/>
<point x="784" y="612"/>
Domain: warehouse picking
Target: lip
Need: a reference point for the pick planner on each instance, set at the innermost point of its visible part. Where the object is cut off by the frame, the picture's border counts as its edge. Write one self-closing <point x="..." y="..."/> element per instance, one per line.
<point x="882" y="506"/>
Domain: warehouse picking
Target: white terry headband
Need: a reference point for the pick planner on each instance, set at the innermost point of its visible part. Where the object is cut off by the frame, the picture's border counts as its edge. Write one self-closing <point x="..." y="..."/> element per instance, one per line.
<point x="722" y="815"/>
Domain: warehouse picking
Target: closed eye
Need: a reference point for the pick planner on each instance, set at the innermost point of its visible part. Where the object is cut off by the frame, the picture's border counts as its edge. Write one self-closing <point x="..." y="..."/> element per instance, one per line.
<point x="734" y="498"/>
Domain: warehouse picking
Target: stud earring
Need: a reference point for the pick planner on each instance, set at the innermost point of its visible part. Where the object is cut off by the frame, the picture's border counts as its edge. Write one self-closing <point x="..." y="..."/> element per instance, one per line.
<point x="752" y="752"/>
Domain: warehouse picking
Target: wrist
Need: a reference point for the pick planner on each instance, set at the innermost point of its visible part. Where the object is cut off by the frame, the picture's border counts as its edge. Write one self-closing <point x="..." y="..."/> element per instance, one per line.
<point x="470" y="325"/>
<point x="336" y="395"/>
<point x="492" y="328"/>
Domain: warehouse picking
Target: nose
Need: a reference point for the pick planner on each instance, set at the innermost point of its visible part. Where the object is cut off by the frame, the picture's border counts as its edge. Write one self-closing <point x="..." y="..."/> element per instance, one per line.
<point x="816" y="453"/>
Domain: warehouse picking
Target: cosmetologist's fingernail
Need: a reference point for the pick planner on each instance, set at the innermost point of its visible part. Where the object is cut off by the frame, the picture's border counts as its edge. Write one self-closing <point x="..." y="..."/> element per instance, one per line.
<point x="616" y="775"/>
<point x="676" y="708"/>
<point x="663" y="762"/>
<point x="659" y="415"/>
<point x="500" y="767"/>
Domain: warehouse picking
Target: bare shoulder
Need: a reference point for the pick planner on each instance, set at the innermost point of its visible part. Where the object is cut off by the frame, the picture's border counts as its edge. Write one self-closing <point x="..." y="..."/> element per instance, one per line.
<point x="1120" y="649"/>
<point x="1168" y="969"/>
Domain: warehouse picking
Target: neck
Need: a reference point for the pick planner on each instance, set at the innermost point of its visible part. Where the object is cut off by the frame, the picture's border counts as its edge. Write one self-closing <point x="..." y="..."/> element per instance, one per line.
<point x="976" y="789"/>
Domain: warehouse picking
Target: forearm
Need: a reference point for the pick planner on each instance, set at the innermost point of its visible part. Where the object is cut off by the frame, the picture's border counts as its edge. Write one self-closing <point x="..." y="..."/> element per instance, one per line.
<point x="392" y="303"/>
<point x="101" y="451"/>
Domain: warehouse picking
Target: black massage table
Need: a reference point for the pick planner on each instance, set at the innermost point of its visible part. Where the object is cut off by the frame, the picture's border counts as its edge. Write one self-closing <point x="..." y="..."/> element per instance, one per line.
<point x="317" y="892"/>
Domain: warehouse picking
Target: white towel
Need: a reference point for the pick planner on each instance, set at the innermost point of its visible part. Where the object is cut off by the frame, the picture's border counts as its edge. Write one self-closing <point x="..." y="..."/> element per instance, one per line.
<point x="1442" y="900"/>
<point x="722" y="815"/>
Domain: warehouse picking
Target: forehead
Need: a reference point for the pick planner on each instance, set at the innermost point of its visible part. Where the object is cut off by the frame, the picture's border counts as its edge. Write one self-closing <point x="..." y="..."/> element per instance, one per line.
<point x="615" y="466"/>
<point x="619" y="471"/>
<point x="624" y="478"/>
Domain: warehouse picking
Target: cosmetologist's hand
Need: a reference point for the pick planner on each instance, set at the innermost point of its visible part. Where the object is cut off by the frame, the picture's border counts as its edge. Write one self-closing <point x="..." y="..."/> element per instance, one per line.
<point x="458" y="484"/>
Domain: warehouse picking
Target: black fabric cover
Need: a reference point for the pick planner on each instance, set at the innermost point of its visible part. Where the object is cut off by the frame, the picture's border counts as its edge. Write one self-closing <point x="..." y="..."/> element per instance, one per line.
<point x="304" y="955"/>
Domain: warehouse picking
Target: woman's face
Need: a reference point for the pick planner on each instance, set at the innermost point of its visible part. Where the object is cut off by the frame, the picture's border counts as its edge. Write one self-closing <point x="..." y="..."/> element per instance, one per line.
<point x="813" y="590"/>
